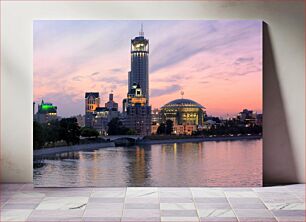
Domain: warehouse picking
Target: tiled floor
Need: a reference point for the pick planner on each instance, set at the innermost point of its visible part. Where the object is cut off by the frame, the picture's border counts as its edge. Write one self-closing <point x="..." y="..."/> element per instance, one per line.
<point x="22" y="202"/>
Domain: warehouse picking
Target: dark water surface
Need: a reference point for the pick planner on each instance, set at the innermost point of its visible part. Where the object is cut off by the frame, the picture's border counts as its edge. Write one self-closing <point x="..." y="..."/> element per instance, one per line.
<point x="226" y="163"/>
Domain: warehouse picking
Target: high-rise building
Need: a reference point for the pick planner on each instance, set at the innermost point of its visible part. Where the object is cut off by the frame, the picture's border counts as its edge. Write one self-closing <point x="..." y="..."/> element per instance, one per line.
<point x="138" y="113"/>
<point x="136" y="109"/>
<point x="111" y="104"/>
<point x="139" y="73"/>
<point x="46" y="112"/>
<point x="92" y="101"/>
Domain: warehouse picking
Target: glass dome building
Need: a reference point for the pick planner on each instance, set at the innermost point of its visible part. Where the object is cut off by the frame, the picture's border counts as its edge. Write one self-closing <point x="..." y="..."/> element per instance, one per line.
<point x="183" y="112"/>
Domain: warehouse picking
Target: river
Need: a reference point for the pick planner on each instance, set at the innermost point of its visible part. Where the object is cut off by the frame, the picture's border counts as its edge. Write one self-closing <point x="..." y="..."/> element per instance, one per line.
<point x="210" y="163"/>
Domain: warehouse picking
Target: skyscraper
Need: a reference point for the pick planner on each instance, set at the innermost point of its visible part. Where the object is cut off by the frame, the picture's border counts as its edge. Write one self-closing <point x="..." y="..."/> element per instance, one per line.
<point x="139" y="73"/>
<point x="136" y="108"/>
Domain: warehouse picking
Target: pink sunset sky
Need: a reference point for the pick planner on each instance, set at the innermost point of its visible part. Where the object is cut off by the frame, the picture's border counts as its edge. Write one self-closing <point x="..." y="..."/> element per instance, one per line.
<point x="217" y="63"/>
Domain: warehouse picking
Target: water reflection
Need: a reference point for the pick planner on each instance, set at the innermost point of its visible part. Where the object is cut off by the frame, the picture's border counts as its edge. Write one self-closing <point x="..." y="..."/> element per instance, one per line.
<point x="232" y="163"/>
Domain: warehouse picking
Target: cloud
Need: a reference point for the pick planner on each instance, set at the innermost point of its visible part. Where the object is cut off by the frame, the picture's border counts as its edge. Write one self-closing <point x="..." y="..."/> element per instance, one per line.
<point x="95" y="73"/>
<point x="243" y="60"/>
<point x="77" y="78"/>
<point x="112" y="80"/>
<point x="116" y="70"/>
<point x="164" y="91"/>
<point x="172" y="51"/>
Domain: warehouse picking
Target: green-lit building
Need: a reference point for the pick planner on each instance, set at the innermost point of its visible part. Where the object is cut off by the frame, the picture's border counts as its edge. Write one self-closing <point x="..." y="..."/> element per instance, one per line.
<point x="46" y="112"/>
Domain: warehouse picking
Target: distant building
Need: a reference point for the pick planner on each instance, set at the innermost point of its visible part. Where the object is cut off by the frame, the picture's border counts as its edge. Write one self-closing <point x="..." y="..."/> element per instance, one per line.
<point x="81" y="120"/>
<point x="258" y="120"/>
<point x="156" y="116"/>
<point x="111" y="104"/>
<point x="92" y="101"/>
<point x="102" y="116"/>
<point x="247" y="117"/>
<point x="187" y="115"/>
<point x="46" y="112"/>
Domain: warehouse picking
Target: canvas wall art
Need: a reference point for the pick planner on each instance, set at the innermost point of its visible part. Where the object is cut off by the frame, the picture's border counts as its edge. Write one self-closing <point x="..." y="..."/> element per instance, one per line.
<point x="147" y="103"/>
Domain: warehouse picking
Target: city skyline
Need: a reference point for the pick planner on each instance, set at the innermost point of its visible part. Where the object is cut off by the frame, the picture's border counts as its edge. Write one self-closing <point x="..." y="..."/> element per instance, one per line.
<point x="216" y="63"/>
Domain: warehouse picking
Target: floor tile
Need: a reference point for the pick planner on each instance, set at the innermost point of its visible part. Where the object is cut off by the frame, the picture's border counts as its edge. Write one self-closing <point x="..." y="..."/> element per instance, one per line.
<point x="62" y="203"/>
<point x="248" y="206"/>
<point x="142" y="200"/>
<point x="178" y="219"/>
<point x="180" y="192"/>
<point x="245" y="200"/>
<point x="20" y="206"/>
<point x="146" y="192"/>
<point x="210" y="200"/>
<point x="243" y="194"/>
<point x="109" y="194"/>
<point x="219" y="219"/>
<point x="14" y="214"/>
<point x="178" y="213"/>
<point x="253" y="213"/>
<point x="213" y="206"/>
<point x="216" y="213"/>
<point x="285" y="206"/>
<point x="105" y="200"/>
<point x="103" y="213"/>
<point x="140" y="219"/>
<point x="177" y="206"/>
<point x="142" y="213"/>
<point x="254" y="219"/>
<point x="55" y="214"/>
<point x="289" y="213"/>
<point x="109" y="206"/>
<point x="102" y="219"/>
<point x="141" y="206"/>
<point x="207" y="192"/>
<point x="176" y="200"/>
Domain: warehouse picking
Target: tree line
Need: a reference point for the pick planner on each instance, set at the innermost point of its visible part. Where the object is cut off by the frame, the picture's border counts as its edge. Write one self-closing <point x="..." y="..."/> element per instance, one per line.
<point x="66" y="129"/>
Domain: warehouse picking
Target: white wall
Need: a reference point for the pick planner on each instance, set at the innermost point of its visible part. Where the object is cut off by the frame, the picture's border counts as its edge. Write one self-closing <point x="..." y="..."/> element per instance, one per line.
<point x="284" y="74"/>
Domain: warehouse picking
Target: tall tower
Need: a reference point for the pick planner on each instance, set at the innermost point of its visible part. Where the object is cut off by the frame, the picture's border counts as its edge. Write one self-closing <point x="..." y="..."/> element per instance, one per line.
<point x="139" y="73"/>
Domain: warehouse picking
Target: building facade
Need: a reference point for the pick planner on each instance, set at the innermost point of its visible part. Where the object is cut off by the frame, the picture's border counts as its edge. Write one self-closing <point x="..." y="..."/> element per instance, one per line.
<point x="92" y="101"/>
<point x="187" y="115"/>
<point x="46" y="112"/>
<point x="138" y="113"/>
<point x="111" y="104"/>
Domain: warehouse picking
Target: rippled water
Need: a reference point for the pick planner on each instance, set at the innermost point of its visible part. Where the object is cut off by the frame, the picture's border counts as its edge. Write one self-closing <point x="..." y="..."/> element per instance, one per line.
<point x="230" y="163"/>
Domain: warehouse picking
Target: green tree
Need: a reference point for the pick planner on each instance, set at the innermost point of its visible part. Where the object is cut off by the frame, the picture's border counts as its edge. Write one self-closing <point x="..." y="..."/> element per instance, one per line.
<point x="52" y="131"/>
<point x="169" y="126"/>
<point x="89" y="132"/>
<point x="161" y="129"/>
<point x="38" y="135"/>
<point x="115" y="127"/>
<point x="70" y="131"/>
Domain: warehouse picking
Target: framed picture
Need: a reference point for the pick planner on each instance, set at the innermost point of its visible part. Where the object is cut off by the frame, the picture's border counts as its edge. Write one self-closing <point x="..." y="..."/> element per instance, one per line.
<point x="147" y="103"/>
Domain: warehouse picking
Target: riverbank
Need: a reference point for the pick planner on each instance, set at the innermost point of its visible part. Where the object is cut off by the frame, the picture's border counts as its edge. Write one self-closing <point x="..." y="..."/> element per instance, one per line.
<point x="75" y="148"/>
<point x="157" y="140"/>
<point x="197" y="139"/>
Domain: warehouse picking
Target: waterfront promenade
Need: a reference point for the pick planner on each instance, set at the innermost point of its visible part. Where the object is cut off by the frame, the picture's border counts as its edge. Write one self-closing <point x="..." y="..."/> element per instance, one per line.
<point x="94" y="146"/>
<point x="64" y="149"/>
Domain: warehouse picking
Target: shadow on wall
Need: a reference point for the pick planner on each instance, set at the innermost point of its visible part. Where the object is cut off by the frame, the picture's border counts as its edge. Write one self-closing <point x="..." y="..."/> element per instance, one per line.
<point x="278" y="160"/>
